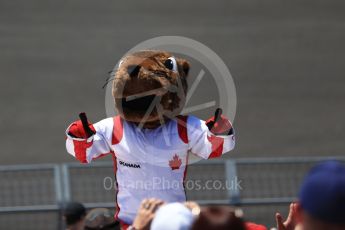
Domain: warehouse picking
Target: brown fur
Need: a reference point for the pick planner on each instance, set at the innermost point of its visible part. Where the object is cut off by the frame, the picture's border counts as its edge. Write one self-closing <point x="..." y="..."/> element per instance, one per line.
<point x="141" y="78"/>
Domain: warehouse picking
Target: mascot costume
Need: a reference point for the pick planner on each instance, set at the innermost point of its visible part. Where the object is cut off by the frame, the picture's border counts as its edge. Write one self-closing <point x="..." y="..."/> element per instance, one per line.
<point x="149" y="139"/>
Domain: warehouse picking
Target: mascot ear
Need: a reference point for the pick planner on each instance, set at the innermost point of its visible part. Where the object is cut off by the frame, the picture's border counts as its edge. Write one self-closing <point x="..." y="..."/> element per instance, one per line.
<point x="183" y="66"/>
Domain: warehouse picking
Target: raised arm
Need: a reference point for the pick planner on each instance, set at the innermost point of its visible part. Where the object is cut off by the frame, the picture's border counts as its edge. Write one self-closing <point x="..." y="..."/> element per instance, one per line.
<point x="212" y="138"/>
<point x="86" y="141"/>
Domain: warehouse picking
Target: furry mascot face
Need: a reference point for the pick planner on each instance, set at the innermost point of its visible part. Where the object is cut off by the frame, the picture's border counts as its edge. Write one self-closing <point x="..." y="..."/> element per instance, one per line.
<point x="149" y="87"/>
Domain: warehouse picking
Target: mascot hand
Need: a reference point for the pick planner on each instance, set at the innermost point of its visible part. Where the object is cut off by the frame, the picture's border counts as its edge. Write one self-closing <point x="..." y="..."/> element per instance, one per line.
<point x="219" y="124"/>
<point x="82" y="128"/>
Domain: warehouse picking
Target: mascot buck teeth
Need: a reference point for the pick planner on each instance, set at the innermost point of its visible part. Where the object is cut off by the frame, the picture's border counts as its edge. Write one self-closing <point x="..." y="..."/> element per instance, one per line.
<point x="149" y="139"/>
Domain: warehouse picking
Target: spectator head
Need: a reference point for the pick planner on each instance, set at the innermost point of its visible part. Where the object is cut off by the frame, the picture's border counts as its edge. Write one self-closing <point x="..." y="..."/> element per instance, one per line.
<point x="100" y="219"/>
<point x="173" y="216"/>
<point x="322" y="197"/>
<point x="219" y="217"/>
<point x="74" y="215"/>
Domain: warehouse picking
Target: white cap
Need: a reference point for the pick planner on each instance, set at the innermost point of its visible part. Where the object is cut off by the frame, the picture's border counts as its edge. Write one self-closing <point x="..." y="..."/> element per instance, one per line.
<point x="173" y="216"/>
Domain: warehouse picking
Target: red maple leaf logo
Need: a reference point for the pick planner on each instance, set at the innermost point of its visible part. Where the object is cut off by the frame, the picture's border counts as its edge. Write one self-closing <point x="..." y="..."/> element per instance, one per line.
<point x="175" y="163"/>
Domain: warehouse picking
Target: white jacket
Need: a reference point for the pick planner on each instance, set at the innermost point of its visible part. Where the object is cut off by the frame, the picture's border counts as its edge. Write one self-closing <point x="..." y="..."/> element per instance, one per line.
<point x="149" y="162"/>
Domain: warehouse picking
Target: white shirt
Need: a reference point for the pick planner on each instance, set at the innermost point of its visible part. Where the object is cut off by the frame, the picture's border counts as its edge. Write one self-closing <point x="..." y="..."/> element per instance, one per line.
<point x="149" y="163"/>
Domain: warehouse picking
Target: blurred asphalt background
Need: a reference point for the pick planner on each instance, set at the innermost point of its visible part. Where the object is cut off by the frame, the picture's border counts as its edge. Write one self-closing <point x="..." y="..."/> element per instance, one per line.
<point x="286" y="58"/>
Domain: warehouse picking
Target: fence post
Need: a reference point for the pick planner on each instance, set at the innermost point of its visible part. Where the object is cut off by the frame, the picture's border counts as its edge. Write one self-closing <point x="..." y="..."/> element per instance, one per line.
<point x="57" y="183"/>
<point x="66" y="183"/>
<point x="58" y="194"/>
<point x="231" y="178"/>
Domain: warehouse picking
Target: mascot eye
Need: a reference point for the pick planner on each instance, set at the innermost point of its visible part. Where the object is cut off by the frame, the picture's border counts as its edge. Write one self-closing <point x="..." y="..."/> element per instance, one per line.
<point x="171" y="64"/>
<point x="120" y="63"/>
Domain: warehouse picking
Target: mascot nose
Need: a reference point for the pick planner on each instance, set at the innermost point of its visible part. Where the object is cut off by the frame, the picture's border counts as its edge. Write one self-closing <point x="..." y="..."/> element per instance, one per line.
<point x="133" y="70"/>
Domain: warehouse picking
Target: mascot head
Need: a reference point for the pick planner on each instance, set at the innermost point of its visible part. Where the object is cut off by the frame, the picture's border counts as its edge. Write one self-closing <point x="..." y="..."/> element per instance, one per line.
<point x="149" y="87"/>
